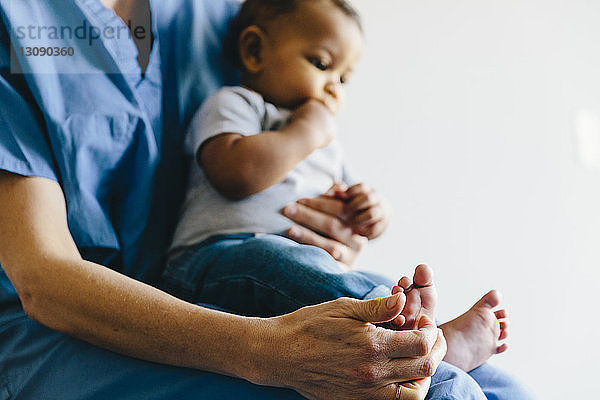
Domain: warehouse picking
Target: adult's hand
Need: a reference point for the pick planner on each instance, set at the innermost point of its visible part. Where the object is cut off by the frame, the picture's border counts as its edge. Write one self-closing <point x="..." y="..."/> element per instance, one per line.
<point x="328" y="351"/>
<point x="321" y="222"/>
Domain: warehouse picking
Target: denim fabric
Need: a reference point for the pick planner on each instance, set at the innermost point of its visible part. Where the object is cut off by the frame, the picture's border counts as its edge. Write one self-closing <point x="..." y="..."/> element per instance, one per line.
<point x="499" y="385"/>
<point x="452" y="383"/>
<point x="263" y="276"/>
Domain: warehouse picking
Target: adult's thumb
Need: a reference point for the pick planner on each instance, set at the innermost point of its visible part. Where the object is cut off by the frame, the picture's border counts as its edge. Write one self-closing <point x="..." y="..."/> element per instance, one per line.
<point x="382" y="309"/>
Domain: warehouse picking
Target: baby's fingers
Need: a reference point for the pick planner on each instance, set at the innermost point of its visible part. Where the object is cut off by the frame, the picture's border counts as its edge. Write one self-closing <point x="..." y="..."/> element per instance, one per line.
<point x="357" y="189"/>
<point x="363" y="201"/>
<point x="369" y="216"/>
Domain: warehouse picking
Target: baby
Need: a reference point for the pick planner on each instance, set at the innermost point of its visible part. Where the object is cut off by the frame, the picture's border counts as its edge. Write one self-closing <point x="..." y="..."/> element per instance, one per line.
<point x="271" y="141"/>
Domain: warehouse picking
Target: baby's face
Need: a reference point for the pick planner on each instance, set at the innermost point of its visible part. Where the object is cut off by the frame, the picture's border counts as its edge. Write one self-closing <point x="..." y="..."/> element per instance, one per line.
<point x="309" y="54"/>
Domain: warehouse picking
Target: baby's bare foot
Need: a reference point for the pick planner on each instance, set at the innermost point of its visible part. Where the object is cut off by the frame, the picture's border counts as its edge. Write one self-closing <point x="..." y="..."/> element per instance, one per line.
<point x="473" y="337"/>
<point x="421" y="297"/>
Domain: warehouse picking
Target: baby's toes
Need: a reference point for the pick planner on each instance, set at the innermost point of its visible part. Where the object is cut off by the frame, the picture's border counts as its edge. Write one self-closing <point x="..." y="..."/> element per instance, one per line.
<point x="491" y="299"/>
<point x="501" y="314"/>
<point x="502" y="348"/>
<point x="412" y="308"/>
<point x="428" y="300"/>
<point x="503" y="330"/>
<point x="399" y="322"/>
<point x="404" y="282"/>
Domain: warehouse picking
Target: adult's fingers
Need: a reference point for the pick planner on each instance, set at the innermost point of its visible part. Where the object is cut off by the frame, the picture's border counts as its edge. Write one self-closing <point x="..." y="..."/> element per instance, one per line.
<point x="407" y="369"/>
<point x="337" y="250"/>
<point x="326" y="204"/>
<point x="346" y="244"/>
<point x="411" y="343"/>
<point x="357" y="365"/>
<point x="394" y="344"/>
<point x="414" y="390"/>
<point x="318" y="221"/>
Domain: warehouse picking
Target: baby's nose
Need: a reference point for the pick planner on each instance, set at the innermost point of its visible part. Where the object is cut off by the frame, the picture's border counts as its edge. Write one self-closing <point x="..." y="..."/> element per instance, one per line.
<point x="334" y="89"/>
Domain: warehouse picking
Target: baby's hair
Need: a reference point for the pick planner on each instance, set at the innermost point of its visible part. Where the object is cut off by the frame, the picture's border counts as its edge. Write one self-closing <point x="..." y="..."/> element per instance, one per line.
<point x="259" y="12"/>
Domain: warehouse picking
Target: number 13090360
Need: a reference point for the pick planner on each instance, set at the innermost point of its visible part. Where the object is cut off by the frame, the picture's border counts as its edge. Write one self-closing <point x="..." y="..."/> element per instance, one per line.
<point x="47" y="51"/>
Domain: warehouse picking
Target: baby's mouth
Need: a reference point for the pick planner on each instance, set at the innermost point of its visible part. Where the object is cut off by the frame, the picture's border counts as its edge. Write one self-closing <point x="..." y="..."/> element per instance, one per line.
<point x="331" y="104"/>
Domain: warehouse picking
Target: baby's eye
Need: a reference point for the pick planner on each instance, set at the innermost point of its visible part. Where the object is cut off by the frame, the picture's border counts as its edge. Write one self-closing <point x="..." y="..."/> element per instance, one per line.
<point x="318" y="63"/>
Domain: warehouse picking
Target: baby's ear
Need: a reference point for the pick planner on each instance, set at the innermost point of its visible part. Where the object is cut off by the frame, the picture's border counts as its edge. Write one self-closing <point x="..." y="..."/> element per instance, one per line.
<point x="251" y="45"/>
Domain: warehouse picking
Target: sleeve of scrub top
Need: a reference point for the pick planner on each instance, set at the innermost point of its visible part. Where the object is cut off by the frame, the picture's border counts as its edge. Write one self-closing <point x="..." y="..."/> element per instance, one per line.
<point x="24" y="147"/>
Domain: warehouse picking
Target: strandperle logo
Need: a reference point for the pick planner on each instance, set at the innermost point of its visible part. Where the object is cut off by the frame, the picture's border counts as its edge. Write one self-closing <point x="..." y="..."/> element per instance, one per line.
<point x="84" y="31"/>
<point x="69" y="48"/>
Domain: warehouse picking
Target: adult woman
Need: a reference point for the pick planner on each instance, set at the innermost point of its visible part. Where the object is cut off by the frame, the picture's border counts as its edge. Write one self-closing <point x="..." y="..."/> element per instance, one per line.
<point x="90" y="176"/>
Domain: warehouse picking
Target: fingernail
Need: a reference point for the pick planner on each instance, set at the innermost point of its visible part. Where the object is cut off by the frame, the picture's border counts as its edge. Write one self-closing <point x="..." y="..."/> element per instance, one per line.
<point x="392" y="301"/>
<point x="294" y="232"/>
<point x="303" y="201"/>
<point x="397" y="289"/>
<point x="336" y="254"/>
<point x="290" y="210"/>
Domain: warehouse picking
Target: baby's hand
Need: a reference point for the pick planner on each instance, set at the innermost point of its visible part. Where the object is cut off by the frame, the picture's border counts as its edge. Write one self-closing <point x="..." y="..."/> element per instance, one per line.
<point x="316" y="120"/>
<point x="366" y="211"/>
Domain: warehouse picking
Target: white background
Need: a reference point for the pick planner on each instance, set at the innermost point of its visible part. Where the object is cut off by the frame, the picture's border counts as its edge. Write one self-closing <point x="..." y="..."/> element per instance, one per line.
<point x="462" y="113"/>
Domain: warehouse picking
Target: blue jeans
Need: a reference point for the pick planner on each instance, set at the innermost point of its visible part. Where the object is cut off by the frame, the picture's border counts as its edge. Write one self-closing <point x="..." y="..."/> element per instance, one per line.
<point x="271" y="275"/>
<point x="264" y="276"/>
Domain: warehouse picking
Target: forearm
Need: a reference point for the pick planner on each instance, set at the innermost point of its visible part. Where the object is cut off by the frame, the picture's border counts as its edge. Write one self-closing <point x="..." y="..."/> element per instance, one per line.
<point x="243" y="165"/>
<point x="110" y="310"/>
<point x="91" y="302"/>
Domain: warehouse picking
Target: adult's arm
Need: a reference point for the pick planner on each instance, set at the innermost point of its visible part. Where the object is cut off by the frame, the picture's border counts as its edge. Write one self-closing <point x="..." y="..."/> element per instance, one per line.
<point x="324" y="351"/>
<point x="69" y="294"/>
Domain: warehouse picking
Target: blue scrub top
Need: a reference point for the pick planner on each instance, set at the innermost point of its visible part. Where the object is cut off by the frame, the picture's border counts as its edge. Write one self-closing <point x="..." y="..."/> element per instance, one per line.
<point x="109" y="135"/>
